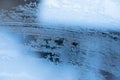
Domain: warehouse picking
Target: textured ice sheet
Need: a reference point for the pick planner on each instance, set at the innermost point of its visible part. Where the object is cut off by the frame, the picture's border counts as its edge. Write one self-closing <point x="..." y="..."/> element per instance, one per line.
<point x="95" y="53"/>
<point x="16" y="65"/>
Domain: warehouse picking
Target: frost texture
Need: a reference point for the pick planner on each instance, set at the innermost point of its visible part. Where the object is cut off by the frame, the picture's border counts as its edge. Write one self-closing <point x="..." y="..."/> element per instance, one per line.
<point x="26" y="13"/>
<point x="95" y="52"/>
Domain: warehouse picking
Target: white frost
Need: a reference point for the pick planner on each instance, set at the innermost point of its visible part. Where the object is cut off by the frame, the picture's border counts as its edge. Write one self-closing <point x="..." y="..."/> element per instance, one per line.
<point x="80" y="12"/>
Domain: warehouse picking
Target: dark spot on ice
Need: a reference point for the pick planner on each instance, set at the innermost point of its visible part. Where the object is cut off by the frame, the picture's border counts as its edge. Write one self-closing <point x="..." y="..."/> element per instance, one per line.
<point x="115" y="38"/>
<point x="59" y="41"/>
<point x="46" y="46"/>
<point x="74" y="44"/>
<point x="108" y="75"/>
<point x="50" y="56"/>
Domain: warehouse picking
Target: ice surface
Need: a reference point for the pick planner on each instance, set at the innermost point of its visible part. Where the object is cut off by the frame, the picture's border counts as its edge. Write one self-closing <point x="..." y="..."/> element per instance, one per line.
<point x="16" y="65"/>
<point x="65" y="50"/>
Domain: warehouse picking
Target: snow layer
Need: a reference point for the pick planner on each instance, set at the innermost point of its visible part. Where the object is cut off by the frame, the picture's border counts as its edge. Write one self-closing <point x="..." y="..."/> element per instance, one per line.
<point x="97" y="13"/>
